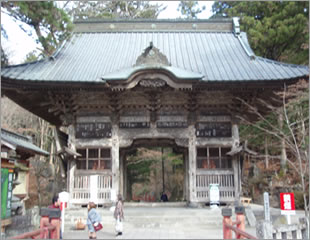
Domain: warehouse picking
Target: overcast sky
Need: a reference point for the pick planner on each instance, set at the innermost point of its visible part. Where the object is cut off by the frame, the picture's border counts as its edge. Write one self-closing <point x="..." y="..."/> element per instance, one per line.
<point x="19" y="44"/>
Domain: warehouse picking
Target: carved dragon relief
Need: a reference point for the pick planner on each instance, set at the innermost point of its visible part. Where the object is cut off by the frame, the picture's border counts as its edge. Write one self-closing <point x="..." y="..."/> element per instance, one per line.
<point x="152" y="83"/>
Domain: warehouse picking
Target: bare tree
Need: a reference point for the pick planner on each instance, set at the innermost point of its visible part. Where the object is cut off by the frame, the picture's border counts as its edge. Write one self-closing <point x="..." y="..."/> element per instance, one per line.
<point x="293" y="131"/>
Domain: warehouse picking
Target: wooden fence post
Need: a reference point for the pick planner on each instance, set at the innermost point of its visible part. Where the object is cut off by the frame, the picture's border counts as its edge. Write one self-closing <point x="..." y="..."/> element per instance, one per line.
<point x="227" y="213"/>
<point x="44" y="213"/>
<point x="50" y="216"/>
<point x="54" y="216"/>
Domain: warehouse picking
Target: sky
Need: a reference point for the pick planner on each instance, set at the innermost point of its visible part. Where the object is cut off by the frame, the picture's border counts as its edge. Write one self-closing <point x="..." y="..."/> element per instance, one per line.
<point x="19" y="43"/>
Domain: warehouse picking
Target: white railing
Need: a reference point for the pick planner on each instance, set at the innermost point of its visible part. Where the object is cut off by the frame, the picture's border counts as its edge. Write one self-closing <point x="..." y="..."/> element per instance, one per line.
<point x="81" y="188"/>
<point x="224" y="178"/>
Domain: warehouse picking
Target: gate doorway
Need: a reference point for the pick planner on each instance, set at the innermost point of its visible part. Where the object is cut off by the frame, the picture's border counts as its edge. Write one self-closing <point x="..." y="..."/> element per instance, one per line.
<point x="150" y="171"/>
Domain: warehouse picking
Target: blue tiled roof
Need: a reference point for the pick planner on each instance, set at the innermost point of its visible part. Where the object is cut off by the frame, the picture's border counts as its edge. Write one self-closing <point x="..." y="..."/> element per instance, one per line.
<point x="216" y="55"/>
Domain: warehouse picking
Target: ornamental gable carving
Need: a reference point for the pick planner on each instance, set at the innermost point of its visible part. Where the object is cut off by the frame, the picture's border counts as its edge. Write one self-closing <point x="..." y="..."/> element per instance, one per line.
<point x="152" y="56"/>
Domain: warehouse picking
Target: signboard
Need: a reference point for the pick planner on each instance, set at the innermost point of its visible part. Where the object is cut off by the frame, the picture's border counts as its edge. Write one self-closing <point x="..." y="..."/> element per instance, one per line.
<point x="6" y="192"/>
<point x="171" y="124"/>
<point x="203" y="117"/>
<point x="214" y="193"/>
<point x="266" y="206"/>
<point x="172" y="121"/>
<point x="287" y="203"/>
<point x="93" y="130"/>
<point x="213" y="129"/>
<point x="113" y="195"/>
<point x="134" y="120"/>
<point x="64" y="199"/>
<point x="134" y="124"/>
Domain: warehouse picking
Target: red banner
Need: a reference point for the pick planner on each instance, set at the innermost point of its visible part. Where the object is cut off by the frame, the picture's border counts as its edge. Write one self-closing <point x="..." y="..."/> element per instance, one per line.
<point x="287" y="201"/>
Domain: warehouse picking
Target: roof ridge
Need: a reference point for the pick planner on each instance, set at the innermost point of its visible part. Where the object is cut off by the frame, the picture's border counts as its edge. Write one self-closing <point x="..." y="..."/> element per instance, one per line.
<point x="155" y="31"/>
<point x="122" y="20"/>
<point x="243" y="39"/>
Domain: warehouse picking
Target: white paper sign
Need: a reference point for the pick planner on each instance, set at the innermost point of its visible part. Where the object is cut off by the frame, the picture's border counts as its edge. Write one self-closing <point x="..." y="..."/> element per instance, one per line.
<point x="214" y="193"/>
<point x="64" y="197"/>
<point x="94" y="188"/>
<point x="113" y="195"/>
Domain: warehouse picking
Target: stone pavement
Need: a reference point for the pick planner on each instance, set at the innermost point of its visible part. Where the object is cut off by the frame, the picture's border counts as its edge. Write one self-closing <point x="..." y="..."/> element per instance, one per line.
<point x="159" y="223"/>
<point x="156" y="221"/>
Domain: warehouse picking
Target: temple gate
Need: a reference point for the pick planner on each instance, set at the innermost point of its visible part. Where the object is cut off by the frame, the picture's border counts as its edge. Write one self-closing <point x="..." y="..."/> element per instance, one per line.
<point x="120" y="84"/>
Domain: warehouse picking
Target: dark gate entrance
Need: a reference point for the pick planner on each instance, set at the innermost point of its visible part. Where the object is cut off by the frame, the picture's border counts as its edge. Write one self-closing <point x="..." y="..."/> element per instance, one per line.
<point x="151" y="169"/>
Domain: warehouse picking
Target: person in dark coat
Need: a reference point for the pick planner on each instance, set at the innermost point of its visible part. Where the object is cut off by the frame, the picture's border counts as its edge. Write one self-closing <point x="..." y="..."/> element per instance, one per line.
<point x="164" y="197"/>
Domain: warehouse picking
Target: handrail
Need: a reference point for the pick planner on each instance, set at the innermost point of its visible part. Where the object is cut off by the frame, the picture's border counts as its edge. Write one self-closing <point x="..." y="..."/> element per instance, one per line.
<point x="45" y="230"/>
<point x="49" y="226"/>
<point x="240" y="224"/>
<point x="240" y="232"/>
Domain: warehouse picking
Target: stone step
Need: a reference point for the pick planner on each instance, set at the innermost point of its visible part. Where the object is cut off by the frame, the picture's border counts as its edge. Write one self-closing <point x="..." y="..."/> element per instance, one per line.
<point x="143" y="217"/>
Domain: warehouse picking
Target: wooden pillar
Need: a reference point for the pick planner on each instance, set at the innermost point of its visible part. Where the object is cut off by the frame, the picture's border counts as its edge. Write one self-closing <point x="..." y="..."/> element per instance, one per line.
<point x="72" y="167"/>
<point x="236" y="162"/>
<point x="115" y="159"/>
<point x="121" y="177"/>
<point x="186" y="170"/>
<point x="125" y="176"/>
<point x="192" y="164"/>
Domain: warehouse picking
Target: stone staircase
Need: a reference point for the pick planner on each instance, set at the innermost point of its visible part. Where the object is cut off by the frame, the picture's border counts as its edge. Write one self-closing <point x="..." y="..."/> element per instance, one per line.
<point x="153" y="215"/>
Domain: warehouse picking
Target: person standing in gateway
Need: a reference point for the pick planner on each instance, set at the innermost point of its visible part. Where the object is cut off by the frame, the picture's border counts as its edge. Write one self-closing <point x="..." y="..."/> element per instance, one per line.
<point x="119" y="215"/>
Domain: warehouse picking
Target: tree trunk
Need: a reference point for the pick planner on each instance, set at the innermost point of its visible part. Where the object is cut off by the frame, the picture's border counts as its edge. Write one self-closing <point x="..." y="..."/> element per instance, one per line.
<point x="266" y="153"/>
<point x="283" y="160"/>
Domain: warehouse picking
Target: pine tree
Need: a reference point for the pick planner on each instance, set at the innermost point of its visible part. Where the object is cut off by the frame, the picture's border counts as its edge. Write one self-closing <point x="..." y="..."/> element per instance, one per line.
<point x="115" y="9"/>
<point x="190" y="9"/>
<point x="51" y="24"/>
<point x="276" y="30"/>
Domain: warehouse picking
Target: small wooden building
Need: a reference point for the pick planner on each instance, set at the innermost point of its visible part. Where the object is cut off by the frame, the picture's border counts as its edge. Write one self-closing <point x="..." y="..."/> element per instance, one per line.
<point x="118" y="85"/>
<point x="16" y="150"/>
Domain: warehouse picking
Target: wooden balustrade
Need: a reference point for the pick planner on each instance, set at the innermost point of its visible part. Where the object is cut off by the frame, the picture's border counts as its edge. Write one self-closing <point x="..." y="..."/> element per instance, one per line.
<point x="225" y="179"/>
<point x="81" y="188"/>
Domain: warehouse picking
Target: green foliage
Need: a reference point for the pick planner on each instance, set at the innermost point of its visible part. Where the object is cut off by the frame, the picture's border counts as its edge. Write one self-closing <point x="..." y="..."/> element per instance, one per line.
<point x="139" y="171"/>
<point x="145" y="169"/>
<point x="276" y="30"/>
<point x="115" y="9"/>
<point x="4" y="58"/>
<point x="31" y="57"/>
<point x="51" y="24"/>
<point x="190" y="8"/>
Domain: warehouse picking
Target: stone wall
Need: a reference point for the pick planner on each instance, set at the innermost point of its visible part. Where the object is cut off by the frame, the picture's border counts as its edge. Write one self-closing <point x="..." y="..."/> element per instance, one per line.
<point x="25" y="223"/>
